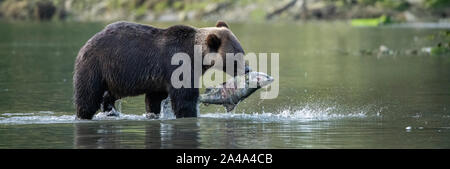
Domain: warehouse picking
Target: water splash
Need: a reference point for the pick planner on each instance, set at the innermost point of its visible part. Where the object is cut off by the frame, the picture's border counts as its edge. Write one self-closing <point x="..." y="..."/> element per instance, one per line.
<point x="303" y="114"/>
<point x="288" y="114"/>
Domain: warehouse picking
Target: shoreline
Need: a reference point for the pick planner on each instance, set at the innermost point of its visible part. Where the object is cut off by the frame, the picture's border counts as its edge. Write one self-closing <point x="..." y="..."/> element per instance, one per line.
<point x="231" y="11"/>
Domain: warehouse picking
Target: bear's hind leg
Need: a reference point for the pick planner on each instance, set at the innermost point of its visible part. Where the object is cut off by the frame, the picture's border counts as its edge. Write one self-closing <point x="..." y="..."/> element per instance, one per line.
<point x="88" y="92"/>
<point x="87" y="107"/>
<point x="153" y="103"/>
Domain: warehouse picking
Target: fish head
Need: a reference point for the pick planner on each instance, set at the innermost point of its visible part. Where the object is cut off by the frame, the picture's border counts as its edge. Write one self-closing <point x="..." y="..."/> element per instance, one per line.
<point x="260" y="79"/>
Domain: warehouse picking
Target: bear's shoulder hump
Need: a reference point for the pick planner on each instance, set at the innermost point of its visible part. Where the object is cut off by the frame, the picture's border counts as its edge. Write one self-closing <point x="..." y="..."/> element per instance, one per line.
<point x="130" y="27"/>
<point x="180" y="30"/>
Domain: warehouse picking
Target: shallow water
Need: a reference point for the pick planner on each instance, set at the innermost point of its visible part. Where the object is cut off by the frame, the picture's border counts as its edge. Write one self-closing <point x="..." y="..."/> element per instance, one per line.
<point x="331" y="96"/>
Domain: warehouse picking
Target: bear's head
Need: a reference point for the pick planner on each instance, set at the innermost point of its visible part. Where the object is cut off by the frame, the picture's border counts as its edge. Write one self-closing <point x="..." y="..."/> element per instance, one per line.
<point x="219" y="41"/>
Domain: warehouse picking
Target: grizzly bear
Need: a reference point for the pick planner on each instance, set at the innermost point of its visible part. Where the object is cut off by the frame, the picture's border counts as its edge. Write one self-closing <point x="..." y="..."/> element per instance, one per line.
<point x="130" y="59"/>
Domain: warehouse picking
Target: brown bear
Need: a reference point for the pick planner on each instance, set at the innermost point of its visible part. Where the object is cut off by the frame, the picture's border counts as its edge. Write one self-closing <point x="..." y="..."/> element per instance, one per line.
<point x="130" y="59"/>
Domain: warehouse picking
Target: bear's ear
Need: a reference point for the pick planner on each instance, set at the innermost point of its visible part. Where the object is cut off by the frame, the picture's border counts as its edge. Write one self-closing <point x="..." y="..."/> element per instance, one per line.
<point x="221" y="24"/>
<point x="213" y="42"/>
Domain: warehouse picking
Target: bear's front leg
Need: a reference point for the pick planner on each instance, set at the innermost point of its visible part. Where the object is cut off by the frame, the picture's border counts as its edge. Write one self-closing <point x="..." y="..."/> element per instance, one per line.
<point x="184" y="102"/>
<point x="153" y="104"/>
<point x="107" y="106"/>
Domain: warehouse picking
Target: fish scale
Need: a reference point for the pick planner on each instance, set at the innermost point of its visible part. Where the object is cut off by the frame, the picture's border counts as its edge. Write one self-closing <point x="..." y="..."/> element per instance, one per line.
<point x="228" y="94"/>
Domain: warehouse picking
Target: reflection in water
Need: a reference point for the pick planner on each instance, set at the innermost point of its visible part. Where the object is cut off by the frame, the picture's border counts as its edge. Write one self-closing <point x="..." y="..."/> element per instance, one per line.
<point x="232" y="132"/>
<point x="172" y="134"/>
<point x="150" y="134"/>
<point x="97" y="135"/>
<point x="330" y="96"/>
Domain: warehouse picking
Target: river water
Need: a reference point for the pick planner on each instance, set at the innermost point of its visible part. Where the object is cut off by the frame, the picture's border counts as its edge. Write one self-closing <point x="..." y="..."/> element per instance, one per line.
<point x="330" y="95"/>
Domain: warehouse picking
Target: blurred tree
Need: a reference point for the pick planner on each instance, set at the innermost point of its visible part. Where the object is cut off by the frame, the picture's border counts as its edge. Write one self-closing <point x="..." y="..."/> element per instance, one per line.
<point x="437" y="3"/>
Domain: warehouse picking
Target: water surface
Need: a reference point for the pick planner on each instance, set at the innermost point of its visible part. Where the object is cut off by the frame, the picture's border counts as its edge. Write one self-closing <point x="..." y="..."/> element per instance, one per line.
<point x="331" y="95"/>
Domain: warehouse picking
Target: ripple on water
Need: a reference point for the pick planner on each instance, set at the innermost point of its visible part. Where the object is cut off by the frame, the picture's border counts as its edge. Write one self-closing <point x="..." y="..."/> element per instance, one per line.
<point x="37" y="119"/>
<point x="42" y="118"/>
<point x="302" y="114"/>
<point x="27" y="114"/>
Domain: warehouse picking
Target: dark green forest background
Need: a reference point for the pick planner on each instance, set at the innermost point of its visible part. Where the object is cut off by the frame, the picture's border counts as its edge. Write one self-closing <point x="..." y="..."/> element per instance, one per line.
<point x="230" y="10"/>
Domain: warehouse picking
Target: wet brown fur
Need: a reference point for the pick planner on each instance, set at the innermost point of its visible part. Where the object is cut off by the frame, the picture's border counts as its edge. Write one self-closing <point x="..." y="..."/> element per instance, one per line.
<point x="129" y="59"/>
